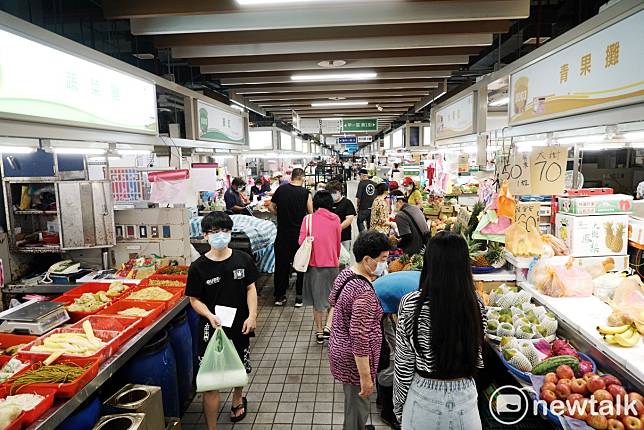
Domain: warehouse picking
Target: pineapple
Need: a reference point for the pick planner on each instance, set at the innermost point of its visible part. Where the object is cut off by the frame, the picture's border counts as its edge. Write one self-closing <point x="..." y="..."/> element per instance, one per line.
<point x="494" y="253"/>
<point x="474" y="218"/>
<point x="399" y="265"/>
<point x="473" y="248"/>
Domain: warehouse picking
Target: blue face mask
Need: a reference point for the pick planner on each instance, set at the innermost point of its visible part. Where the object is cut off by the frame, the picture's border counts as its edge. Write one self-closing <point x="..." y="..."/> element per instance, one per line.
<point x="219" y="240"/>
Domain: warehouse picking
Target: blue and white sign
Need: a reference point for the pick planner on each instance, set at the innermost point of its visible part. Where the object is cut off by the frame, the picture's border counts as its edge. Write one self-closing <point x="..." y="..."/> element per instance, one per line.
<point x="347" y="140"/>
<point x="351" y="148"/>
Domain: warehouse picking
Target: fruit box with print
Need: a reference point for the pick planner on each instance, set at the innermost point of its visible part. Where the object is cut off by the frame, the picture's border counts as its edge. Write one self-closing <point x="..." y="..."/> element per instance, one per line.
<point x="596" y="205"/>
<point x="595" y="235"/>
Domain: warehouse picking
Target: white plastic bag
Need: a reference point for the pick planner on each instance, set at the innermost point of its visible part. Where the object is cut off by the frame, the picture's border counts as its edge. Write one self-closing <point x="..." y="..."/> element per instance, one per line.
<point x="303" y="254"/>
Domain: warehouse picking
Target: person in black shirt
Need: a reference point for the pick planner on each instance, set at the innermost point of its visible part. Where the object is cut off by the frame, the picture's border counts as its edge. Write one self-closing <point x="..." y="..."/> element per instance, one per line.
<point x="290" y="203"/>
<point x="234" y="201"/>
<point x="364" y="198"/>
<point x="260" y="188"/>
<point x="223" y="277"/>
<point x="345" y="210"/>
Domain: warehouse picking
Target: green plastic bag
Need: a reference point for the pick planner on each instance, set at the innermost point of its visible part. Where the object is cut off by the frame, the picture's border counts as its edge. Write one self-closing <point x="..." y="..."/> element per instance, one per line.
<point x="221" y="368"/>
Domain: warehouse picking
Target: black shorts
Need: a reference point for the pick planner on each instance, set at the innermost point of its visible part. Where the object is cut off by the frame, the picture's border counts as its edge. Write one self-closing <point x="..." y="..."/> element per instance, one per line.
<point x="240" y="340"/>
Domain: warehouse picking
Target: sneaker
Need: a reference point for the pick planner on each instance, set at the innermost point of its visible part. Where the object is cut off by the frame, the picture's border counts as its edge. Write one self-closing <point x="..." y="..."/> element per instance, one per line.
<point x="298" y="302"/>
<point x="319" y="338"/>
<point x="280" y="301"/>
<point x="326" y="333"/>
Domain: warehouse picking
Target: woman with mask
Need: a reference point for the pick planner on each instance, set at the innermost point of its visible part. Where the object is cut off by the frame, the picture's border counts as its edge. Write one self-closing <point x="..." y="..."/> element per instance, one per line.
<point x="345" y="210"/>
<point x="356" y="339"/>
<point x="223" y="277"/>
<point x="413" y="194"/>
<point x="324" y="226"/>
<point x="439" y="341"/>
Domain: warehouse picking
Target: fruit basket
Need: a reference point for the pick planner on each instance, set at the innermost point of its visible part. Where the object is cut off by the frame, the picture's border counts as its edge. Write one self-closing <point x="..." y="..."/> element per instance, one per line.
<point x="30" y="416"/>
<point x="155" y="309"/>
<point x="525" y="376"/>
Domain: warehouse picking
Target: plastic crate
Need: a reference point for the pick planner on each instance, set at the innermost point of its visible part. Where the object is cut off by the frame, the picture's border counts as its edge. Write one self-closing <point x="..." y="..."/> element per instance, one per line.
<point x="163" y="269"/>
<point x="156" y="309"/>
<point x="94" y="287"/>
<point x="165" y="278"/>
<point x="76" y="316"/>
<point x="29" y="417"/>
<point x="111" y="338"/>
<point x="177" y="293"/>
<point x="10" y="339"/>
<point x="126" y="326"/>
<point x="62" y="390"/>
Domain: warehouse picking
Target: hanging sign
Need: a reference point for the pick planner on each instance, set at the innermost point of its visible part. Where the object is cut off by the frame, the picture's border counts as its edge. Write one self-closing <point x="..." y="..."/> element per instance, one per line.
<point x="365" y="139"/>
<point x="352" y="148"/>
<point x="353" y="125"/>
<point x="219" y="125"/>
<point x="527" y="214"/>
<point x="598" y="72"/>
<point x="43" y="84"/>
<point x="331" y="126"/>
<point x="456" y="119"/>
<point x="347" y="140"/>
<point x="296" y="120"/>
<point x="548" y="169"/>
<point x="517" y="172"/>
<point x="310" y="125"/>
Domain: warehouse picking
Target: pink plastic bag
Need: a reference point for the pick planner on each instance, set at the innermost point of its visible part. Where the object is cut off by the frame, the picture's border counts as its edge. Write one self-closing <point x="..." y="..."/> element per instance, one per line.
<point x="577" y="282"/>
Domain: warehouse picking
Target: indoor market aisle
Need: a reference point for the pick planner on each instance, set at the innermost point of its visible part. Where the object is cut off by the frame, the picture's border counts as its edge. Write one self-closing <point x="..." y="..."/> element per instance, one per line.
<point x="291" y="385"/>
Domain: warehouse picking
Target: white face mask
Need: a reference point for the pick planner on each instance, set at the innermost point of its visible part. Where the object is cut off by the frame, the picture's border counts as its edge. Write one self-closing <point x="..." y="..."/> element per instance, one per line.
<point x="380" y="268"/>
<point x="219" y="240"/>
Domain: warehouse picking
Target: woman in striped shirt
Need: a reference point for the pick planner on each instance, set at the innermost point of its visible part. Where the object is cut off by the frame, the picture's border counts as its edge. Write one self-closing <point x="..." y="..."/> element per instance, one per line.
<point x="439" y="342"/>
<point x="356" y="338"/>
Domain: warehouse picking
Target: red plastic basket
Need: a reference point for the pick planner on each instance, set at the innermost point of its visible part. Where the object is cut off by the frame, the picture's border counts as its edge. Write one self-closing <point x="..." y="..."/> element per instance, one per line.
<point x="29" y="417"/>
<point x="9" y="339"/>
<point x="16" y="424"/>
<point x="126" y="326"/>
<point x="76" y="316"/>
<point x="162" y="271"/>
<point x="165" y="278"/>
<point x="156" y="309"/>
<point x="95" y="287"/>
<point x="177" y="293"/>
<point x="62" y="390"/>
<point x="111" y="338"/>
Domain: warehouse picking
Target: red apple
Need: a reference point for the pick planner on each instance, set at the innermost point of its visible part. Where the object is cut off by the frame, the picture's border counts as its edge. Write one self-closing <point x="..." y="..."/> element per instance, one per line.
<point x="611" y="380"/>
<point x="617" y="391"/>
<point x="614" y="424"/>
<point x="632" y="423"/>
<point x="548" y="396"/>
<point x="595" y="384"/>
<point x="601" y="395"/>
<point x="549" y="386"/>
<point x="639" y="406"/>
<point x="563" y="391"/>
<point x="564" y="381"/>
<point x="598" y="422"/>
<point x="582" y="416"/>
<point x="575" y="397"/>
<point x="565" y="372"/>
<point x="636" y="396"/>
<point x="589" y="375"/>
<point x="551" y="377"/>
<point x="578" y="386"/>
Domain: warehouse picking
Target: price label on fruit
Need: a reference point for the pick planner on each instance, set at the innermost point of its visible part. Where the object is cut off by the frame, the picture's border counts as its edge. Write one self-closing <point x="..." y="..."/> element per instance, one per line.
<point x="527" y="214"/>
<point x="548" y="169"/>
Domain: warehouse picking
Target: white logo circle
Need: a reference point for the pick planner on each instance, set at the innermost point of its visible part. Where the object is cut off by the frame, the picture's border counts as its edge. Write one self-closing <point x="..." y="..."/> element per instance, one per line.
<point x="508" y="399"/>
<point x="370" y="189"/>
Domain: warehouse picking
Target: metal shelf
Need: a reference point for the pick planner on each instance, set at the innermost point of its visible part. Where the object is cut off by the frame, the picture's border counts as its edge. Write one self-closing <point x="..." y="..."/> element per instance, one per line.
<point x="34" y="212"/>
<point x="62" y="409"/>
<point x="37" y="249"/>
<point x="38" y="288"/>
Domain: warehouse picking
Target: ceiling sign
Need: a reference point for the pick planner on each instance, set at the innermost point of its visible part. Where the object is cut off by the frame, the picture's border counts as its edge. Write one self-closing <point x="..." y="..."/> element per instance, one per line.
<point x="310" y="125"/>
<point x="296" y="120"/>
<point x="352" y="125"/>
<point x="331" y="126"/>
<point x="365" y="139"/>
<point x="42" y="84"/>
<point x="219" y="125"/>
<point x="598" y="72"/>
<point x="456" y="119"/>
<point x="347" y="140"/>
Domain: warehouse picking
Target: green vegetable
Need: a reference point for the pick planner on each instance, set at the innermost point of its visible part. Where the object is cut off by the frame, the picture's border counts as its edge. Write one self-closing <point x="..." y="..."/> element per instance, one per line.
<point x="550" y="364"/>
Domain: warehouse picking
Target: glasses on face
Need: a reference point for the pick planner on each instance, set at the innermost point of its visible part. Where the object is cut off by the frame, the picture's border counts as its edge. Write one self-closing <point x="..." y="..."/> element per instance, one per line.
<point x="218" y="230"/>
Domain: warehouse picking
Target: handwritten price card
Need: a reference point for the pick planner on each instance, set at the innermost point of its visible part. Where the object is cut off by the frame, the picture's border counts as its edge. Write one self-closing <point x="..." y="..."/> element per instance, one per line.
<point x="548" y="169"/>
<point x="528" y="215"/>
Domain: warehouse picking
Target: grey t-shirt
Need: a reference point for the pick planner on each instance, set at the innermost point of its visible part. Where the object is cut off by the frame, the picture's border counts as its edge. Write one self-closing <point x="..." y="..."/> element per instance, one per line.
<point x="407" y="226"/>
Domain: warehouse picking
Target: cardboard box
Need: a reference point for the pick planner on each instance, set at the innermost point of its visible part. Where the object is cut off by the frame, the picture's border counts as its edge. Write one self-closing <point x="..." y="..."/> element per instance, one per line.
<point x="636" y="230"/>
<point x="593" y="236"/>
<point x="596" y="205"/>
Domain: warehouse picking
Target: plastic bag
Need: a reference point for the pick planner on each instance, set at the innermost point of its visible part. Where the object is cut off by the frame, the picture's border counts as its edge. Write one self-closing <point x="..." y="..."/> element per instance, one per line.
<point x="221" y="368"/>
<point x="522" y="243"/>
<point x="345" y="256"/>
<point x="544" y="277"/>
<point x="576" y="282"/>
<point x="628" y="301"/>
<point x="507" y="204"/>
<point x="558" y="246"/>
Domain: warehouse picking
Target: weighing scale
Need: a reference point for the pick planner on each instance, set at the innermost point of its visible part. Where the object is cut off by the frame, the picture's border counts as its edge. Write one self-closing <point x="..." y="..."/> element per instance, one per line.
<point x="33" y="317"/>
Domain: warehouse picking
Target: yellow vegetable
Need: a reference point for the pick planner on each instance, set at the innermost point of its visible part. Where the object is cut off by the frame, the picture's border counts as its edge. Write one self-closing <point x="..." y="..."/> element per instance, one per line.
<point x="134" y="312"/>
<point x="151" y="293"/>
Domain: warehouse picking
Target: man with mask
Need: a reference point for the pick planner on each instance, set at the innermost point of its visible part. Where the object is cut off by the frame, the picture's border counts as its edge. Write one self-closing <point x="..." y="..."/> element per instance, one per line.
<point x="235" y="203"/>
<point x="364" y="198"/>
<point x="291" y="202"/>
<point x="345" y="210"/>
<point x="412" y="225"/>
<point x="223" y="277"/>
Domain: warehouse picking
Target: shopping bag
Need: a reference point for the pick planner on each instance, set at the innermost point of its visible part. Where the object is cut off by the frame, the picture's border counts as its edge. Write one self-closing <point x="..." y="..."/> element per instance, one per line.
<point x="303" y="254"/>
<point x="507" y="204"/>
<point x="345" y="256"/>
<point x="221" y="368"/>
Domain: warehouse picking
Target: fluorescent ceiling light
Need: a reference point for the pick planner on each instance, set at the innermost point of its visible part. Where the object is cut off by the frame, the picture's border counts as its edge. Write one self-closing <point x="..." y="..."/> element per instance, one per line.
<point x="500" y="102"/>
<point x="331" y="119"/>
<point x="134" y="151"/>
<point x="80" y="151"/>
<point x="634" y="135"/>
<point x="333" y="104"/>
<point x="334" y="76"/>
<point x="602" y="146"/>
<point x="16" y="150"/>
<point x="590" y="138"/>
<point x="239" y="108"/>
<point x="204" y="150"/>
<point x="273" y="2"/>
<point x="528" y="145"/>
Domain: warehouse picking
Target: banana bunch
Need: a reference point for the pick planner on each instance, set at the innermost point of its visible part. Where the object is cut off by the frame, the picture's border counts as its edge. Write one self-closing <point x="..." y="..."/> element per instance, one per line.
<point x="625" y="335"/>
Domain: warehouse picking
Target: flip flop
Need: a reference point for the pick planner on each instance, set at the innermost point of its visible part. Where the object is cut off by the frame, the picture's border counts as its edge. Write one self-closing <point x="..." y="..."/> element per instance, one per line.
<point x="234" y="409"/>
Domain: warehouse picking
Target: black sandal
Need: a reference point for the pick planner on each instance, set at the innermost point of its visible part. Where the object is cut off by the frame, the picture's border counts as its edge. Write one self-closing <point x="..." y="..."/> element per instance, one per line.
<point x="234" y="410"/>
<point x="326" y="333"/>
<point x="319" y="338"/>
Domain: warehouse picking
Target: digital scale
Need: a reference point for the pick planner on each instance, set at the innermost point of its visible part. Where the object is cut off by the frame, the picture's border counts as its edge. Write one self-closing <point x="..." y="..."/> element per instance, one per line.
<point x="33" y="317"/>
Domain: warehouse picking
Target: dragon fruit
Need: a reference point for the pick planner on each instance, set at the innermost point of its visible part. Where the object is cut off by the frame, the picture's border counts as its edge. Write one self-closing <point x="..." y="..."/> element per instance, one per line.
<point x="585" y="366"/>
<point x="543" y="347"/>
<point x="562" y="347"/>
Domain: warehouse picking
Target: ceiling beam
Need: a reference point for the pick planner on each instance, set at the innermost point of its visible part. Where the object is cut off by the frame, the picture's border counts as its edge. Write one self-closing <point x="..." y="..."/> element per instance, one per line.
<point x="255" y="89"/>
<point x="383" y="92"/>
<point x="296" y="103"/>
<point x="365" y="112"/>
<point x="392" y="61"/>
<point x="243" y="80"/>
<point x="334" y="45"/>
<point x="332" y="108"/>
<point x="341" y="14"/>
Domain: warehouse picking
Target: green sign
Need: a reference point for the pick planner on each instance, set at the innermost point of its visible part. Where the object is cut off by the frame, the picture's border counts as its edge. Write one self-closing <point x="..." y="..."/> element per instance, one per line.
<point x="359" y="124"/>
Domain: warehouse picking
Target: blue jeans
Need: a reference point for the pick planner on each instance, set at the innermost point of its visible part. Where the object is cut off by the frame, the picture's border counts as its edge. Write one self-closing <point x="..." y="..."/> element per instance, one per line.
<point x="364" y="217"/>
<point x="441" y="405"/>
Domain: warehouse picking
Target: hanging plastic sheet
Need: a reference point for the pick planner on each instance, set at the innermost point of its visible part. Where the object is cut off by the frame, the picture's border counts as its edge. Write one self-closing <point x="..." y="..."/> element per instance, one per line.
<point x="172" y="187"/>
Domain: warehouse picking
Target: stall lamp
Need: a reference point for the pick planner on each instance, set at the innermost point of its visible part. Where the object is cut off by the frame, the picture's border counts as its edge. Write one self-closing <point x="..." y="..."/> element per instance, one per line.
<point x="334" y="76"/>
<point x="80" y="151"/>
<point x="16" y="150"/>
<point x="134" y="151"/>
<point x="500" y="102"/>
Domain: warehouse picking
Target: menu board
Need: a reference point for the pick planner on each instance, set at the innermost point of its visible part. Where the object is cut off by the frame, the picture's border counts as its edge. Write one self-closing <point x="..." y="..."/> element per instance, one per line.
<point x="456" y="119"/>
<point x="220" y="125"/>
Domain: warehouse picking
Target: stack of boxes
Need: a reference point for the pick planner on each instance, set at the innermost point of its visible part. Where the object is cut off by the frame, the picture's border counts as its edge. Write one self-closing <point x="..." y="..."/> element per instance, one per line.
<point x="595" y="228"/>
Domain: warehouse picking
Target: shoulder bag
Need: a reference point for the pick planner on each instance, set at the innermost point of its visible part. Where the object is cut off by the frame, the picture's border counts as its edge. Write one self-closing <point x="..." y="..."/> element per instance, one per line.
<point x="303" y="254"/>
<point x="425" y="236"/>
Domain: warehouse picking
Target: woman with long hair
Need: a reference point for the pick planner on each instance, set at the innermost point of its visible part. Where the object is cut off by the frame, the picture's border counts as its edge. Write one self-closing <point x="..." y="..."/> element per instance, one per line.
<point x="439" y="342"/>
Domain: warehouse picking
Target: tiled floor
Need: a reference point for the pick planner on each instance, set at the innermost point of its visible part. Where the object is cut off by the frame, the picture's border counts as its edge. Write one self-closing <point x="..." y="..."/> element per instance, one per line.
<point x="291" y="386"/>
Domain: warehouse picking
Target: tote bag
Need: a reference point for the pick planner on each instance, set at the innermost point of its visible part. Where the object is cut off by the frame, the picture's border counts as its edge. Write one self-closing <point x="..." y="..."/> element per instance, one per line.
<point x="303" y="254"/>
<point x="221" y="368"/>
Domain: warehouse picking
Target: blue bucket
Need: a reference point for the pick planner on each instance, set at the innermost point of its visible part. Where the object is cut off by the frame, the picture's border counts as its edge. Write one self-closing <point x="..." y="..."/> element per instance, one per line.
<point x="85" y="417"/>
<point x="156" y="365"/>
<point x="181" y="341"/>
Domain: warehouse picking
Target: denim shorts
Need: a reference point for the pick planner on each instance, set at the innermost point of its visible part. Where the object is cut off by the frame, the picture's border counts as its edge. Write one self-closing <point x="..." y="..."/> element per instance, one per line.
<point x="441" y="405"/>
